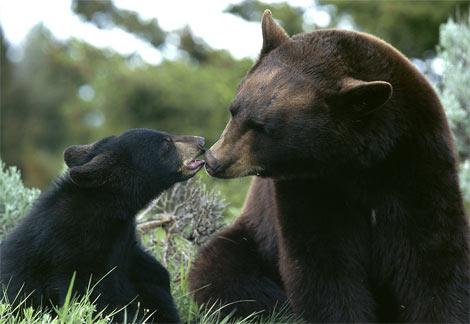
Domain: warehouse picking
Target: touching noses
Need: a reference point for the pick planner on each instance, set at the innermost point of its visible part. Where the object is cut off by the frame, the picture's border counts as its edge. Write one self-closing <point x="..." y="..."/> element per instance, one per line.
<point x="212" y="164"/>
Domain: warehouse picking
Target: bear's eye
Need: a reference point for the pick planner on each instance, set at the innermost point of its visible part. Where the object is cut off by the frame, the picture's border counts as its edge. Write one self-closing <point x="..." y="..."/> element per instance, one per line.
<point x="234" y="110"/>
<point x="256" y="125"/>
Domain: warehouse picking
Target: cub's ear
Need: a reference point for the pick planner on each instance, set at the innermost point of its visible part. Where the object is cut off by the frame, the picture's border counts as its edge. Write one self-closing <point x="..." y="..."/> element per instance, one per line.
<point x="93" y="173"/>
<point x="80" y="154"/>
<point x="273" y="34"/>
<point x="77" y="154"/>
<point x="363" y="96"/>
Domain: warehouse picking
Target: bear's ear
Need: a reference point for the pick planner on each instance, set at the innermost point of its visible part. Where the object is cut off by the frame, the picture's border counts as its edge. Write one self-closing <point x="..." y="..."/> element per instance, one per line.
<point x="80" y="154"/>
<point x="273" y="34"/>
<point x="77" y="154"/>
<point x="93" y="173"/>
<point x="364" y="96"/>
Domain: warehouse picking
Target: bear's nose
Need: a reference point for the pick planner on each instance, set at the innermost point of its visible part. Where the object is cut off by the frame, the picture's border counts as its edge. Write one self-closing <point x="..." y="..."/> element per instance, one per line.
<point x="201" y="141"/>
<point x="212" y="164"/>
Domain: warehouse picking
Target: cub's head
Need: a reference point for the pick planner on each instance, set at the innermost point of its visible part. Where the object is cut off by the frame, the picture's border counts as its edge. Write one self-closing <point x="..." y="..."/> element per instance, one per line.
<point x="139" y="162"/>
<point x="308" y="105"/>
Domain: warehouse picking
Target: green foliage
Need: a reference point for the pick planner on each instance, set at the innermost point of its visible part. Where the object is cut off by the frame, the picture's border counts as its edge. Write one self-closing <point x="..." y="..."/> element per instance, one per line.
<point x="234" y="189"/>
<point x="33" y="125"/>
<point x="104" y="14"/>
<point x="59" y="93"/>
<point x="416" y="34"/>
<point x="44" y="109"/>
<point x="196" y="48"/>
<point x="15" y="198"/>
<point x="453" y="50"/>
<point x="78" y="311"/>
<point x="75" y="310"/>
<point x="411" y="26"/>
<point x="192" y="211"/>
<point x="289" y="16"/>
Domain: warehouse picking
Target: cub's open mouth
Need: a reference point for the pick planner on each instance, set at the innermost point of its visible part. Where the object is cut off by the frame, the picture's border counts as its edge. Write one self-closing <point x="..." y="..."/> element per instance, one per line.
<point x="193" y="164"/>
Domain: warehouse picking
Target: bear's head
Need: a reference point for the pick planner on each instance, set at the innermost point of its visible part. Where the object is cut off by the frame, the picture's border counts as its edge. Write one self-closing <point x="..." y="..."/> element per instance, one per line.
<point x="310" y="104"/>
<point x="139" y="162"/>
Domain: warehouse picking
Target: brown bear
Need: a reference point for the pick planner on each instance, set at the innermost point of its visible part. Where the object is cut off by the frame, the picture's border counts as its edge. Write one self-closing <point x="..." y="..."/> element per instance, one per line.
<point x="355" y="214"/>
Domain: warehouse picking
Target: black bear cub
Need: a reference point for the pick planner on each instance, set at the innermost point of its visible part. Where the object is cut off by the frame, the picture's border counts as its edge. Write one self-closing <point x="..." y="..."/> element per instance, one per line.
<point x="85" y="224"/>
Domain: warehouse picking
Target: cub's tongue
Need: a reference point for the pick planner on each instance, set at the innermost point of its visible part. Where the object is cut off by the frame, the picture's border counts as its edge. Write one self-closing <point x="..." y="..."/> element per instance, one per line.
<point x="194" y="164"/>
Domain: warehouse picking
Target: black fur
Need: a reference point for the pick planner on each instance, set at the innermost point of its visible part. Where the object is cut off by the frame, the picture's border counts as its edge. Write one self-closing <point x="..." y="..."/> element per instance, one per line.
<point x="85" y="224"/>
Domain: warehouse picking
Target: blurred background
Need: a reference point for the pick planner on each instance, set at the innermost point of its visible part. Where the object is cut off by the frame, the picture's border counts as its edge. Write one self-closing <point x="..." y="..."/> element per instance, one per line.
<point x="73" y="71"/>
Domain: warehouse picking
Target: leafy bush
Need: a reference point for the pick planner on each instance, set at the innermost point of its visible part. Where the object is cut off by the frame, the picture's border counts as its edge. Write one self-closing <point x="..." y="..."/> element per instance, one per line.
<point x="193" y="211"/>
<point x="453" y="50"/>
<point x="180" y="220"/>
<point x="15" y="198"/>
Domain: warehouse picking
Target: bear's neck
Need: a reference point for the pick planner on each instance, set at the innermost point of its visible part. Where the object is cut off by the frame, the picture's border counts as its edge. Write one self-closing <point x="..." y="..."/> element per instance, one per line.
<point x="92" y="205"/>
<point x="400" y="191"/>
<point x="90" y="224"/>
<point x="306" y="201"/>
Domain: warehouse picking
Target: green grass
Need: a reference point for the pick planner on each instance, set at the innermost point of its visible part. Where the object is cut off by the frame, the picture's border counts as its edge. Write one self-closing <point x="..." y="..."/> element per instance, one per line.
<point x="82" y="310"/>
<point x="15" y="200"/>
<point x="178" y="264"/>
<point x="169" y="247"/>
<point x="173" y="250"/>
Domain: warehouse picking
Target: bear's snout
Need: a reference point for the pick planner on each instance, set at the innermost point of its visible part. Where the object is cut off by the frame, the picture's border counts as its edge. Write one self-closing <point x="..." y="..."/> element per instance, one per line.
<point x="189" y="148"/>
<point x="213" y="166"/>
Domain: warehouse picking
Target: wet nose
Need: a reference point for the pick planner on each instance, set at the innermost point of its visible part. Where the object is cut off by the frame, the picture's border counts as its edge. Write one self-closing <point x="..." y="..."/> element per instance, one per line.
<point x="212" y="164"/>
<point x="201" y="141"/>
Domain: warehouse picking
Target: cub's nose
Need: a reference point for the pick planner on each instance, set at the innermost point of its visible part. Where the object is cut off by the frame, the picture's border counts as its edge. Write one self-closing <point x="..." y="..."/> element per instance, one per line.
<point x="190" y="140"/>
<point x="201" y="141"/>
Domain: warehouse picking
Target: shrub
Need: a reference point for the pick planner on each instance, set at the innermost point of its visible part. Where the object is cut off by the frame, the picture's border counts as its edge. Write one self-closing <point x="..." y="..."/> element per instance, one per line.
<point x="180" y="220"/>
<point x="193" y="211"/>
<point x="453" y="88"/>
<point x="15" y="198"/>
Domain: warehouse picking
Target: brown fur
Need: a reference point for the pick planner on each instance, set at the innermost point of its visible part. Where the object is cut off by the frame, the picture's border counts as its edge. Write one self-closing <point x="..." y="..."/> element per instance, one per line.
<point x="357" y="214"/>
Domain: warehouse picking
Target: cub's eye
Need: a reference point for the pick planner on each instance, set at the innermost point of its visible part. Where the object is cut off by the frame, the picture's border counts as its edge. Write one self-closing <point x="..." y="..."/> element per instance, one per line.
<point x="166" y="143"/>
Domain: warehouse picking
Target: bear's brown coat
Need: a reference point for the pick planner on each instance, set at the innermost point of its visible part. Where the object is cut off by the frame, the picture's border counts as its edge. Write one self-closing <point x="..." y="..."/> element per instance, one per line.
<point x="357" y="214"/>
